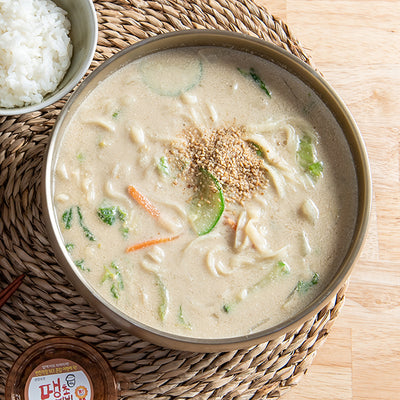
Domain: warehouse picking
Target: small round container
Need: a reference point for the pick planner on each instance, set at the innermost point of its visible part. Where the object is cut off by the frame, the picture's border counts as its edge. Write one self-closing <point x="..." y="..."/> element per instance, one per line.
<point x="61" y="368"/>
<point x="83" y="34"/>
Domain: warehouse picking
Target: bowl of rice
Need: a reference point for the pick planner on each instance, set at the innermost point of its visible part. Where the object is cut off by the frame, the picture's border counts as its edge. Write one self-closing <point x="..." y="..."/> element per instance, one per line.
<point x="46" y="47"/>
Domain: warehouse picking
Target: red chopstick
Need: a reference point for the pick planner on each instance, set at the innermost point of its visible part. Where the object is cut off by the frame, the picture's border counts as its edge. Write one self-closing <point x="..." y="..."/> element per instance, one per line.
<point x="10" y="289"/>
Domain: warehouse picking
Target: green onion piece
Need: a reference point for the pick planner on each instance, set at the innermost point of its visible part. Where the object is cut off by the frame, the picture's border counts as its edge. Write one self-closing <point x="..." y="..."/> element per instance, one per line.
<point x="69" y="247"/>
<point x="122" y="215"/>
<point x="80" y="265"/>
<point x="163" y="307"/>
<point x="253" y="74"/>
<point x="282" y="268"/>
<point x="259" y="82"/>
<point x="227" y="308"/>
<point x="85" y="229"/>
<point x="67" y="218"/>
<point x="125" y="231"/>
<point x="306" y="151"/>
<point x="115" y="114"/>
<point x="113" y="274"/>
<point x="306" y="155"/>
<point x="163" y="166"/>
<point x="80" y="157"/>
<point x="257" y="149"/>
<point x="181" y="319"/>
<point x="243" y="72"/>
<point x="279" y="269"/>
<point x="303" y="287"/>
<point x="115" y="290"/>
<point x="315" y="169"/>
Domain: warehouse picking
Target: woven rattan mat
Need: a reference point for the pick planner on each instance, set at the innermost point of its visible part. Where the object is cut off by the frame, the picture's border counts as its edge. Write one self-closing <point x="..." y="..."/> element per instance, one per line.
<point x="47" y="305"/>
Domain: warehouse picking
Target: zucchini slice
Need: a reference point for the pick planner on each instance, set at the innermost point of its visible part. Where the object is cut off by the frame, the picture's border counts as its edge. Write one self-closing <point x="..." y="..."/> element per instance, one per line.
<point x="171" y="76"/>
<point x="208" y="204"/>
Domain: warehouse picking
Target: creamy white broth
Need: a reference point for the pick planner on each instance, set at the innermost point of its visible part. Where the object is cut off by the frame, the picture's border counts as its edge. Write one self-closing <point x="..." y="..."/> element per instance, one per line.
<point x="242" y="275"/>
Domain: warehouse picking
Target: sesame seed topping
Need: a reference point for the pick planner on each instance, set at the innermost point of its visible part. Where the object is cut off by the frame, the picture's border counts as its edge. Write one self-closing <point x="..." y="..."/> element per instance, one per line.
<point x="226" y="155"/>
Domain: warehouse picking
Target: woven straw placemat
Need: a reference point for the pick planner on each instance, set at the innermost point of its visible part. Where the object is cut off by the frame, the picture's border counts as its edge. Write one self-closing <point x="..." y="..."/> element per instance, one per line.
<point x="47" y="305"/>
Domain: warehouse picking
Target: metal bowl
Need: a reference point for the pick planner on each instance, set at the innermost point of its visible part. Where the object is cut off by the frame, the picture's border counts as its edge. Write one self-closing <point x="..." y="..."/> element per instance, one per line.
<point x="269" y="52"/>
<point x="83" y="35"/>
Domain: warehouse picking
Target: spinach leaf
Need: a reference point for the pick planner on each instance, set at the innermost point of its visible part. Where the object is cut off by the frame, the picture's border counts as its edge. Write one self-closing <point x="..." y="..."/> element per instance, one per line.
<point x="107" y="214"/>
<point x="67" y="218"/>
<point x="85" y="229"/>
<point x="110" y="214"/>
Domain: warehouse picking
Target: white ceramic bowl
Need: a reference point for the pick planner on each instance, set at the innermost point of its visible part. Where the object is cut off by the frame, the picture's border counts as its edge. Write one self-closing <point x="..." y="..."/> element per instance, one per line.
<point x="84" y="30"/>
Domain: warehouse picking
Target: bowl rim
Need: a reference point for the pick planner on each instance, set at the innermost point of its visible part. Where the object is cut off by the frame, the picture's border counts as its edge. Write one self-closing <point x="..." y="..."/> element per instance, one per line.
<point x="109" y="311"/>
<point x="58" y="95"/>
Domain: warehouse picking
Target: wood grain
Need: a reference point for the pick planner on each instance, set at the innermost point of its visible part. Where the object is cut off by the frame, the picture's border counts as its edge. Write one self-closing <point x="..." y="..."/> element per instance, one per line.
<point x="356" y="46"/>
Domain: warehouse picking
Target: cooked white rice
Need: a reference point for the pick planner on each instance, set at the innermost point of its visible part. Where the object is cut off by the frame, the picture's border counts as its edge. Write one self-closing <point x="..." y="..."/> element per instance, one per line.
<point x="35" y="50"/>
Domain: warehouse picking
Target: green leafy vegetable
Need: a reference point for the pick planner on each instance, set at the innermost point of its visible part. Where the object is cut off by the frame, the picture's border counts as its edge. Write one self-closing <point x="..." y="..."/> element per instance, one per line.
<point x="113" y="274"/>
<point x="85" y="229"/>
<point x="67" y="218"/>
<point x="163" y="307"/>
<point x="305" y="286"/>
<point x="115" y="114"/>
<point x="315" y="169"/>
<point x="306" y="151"/>
<point x="69" y="247"/>
<point x="110" y="214"/>
<point x="228" y="307"/>
<point x="125" y="231"/>
<point x="122" y="215"/>
<point x="279" y="269"/>
<point x="301" y="288"/>
<point x="80" y="157"/>
<point x="163" y="166"/>
<point x="80" y="265"/>
<point x="257" y="149"/>
<point x="208" y="204"/>
<point x="181" y="319"/>
<point x="307" y="156"/>
<point x="107" y="214"/>
<point x="256" y="78"/>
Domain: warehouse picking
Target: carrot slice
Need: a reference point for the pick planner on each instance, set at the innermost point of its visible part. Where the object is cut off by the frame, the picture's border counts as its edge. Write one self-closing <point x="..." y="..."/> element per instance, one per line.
<point x="148" y="243"/>
<point x="143" y="201"/>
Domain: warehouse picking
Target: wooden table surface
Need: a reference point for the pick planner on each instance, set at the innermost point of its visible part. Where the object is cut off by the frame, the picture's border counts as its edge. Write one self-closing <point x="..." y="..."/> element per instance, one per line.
<point x="356" y="46"/>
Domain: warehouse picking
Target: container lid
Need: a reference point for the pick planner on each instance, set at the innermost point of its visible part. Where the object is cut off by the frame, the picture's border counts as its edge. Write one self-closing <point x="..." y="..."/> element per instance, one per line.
<point x="61" y="368"/>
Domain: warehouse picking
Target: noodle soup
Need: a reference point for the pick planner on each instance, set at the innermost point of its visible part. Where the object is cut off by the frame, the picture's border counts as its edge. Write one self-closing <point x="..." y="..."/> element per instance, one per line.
<point x="205" y="192"/>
